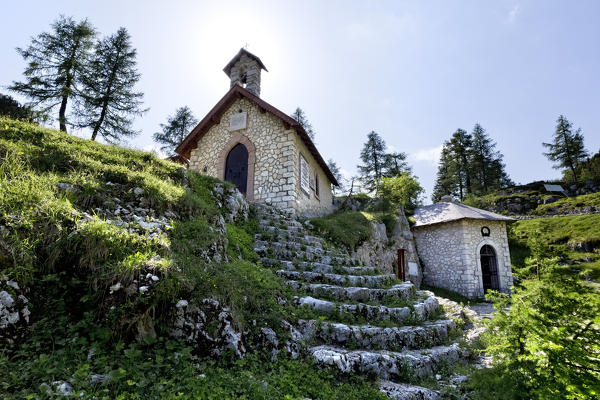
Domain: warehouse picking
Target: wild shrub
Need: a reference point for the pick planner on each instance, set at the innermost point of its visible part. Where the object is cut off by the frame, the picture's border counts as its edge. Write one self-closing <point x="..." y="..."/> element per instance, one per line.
<point x="547" y="334"/>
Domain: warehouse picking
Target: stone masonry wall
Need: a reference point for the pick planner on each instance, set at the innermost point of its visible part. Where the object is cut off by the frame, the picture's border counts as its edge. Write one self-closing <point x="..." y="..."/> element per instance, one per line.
<point x="440" y="248"/>
<point x="249" y="67"/>
<point x="275" y="168"/>
<point x="309" y="204"/>
<point x="450" y="255"/>
<point x="498" y="239"/>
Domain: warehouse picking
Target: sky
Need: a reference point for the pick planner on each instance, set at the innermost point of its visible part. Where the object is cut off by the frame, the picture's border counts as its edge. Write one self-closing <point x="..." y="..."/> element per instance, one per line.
<point x="413" y="71"/>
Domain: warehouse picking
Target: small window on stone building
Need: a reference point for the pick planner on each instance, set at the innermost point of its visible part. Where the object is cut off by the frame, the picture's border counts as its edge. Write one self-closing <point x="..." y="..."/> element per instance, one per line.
<point x="304" y="175"/>
<point x="317" y="184"/>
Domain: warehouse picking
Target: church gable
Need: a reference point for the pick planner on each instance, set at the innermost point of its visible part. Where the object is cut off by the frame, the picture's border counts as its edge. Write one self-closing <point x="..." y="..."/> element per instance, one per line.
<point x="263" y="151"/>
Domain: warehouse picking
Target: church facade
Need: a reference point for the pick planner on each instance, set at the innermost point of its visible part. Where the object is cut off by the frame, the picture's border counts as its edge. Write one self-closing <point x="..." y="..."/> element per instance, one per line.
<point x="264" y="152"/>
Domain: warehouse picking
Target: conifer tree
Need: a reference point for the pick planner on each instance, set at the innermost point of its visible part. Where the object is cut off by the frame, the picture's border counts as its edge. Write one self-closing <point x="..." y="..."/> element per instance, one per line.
<point x="460" y="146"/>
<point x="446" y="180"/>
<point x="487" y="169"/>
<point x="300" y="117"/>
<point x="469" y="164"/>
<point x="373" y="157"/>
<point x="176" y="129"/>
<point x="567" y="148"/>
<point x="55" y="61"/>
<point x="335" y="170"/>
<point x="109" y="101"/>
<point x="395" y="164"/>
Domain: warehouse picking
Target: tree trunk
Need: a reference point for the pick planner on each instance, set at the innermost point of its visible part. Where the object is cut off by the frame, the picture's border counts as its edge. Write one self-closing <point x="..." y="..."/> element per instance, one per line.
<point x="100" y="120"/>
<point x="62" y="120"/>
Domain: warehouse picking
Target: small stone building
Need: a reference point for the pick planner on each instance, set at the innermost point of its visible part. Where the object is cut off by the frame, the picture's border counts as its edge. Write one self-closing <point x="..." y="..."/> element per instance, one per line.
<point x="463" y="249"/>
<point x="267" y="154"/>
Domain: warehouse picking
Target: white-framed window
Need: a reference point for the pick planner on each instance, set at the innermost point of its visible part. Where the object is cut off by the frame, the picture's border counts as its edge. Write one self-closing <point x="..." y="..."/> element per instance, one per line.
<point x="304" y="180"/>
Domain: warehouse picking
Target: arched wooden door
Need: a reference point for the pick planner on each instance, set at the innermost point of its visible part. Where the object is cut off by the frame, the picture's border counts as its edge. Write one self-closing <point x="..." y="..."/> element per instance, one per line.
<point x="236" y="167"/>
<point x="489" y="268"/>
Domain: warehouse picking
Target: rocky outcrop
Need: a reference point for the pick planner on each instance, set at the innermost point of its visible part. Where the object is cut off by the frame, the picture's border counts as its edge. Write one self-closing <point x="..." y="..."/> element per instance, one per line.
<point x="401" y="391"/>
<point x="14" y="311"/>
<point x="382" y="251"/>
<point x="233" y="204"/>
<point x="208" y="327"/>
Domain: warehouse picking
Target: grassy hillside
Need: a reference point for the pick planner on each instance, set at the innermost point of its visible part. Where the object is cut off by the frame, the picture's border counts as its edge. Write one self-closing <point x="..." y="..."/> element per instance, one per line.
<point x="575" y="239"/>
<point x="103" y="242"/>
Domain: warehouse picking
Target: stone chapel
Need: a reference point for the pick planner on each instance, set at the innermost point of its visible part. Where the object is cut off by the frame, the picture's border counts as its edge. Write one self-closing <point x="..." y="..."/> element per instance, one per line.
<point x="263" y="151"/>
<point x="463" y="249"/>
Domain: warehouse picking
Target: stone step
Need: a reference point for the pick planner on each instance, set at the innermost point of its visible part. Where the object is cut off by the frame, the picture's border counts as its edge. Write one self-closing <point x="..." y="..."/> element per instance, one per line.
<point x="296" y="246"/>
<point x="287" y="226"/>
<point x="289" y="245"/>
<point x="283" y="236"/>
<point x="313" y="254"/>
<point x="403" y="291"/>
<point x="375" y="337"/>
<point x="370" y="281"/>
<point x="316" y="267"/>
<point x="418" y="312"/>
<point x="399" y="366"/>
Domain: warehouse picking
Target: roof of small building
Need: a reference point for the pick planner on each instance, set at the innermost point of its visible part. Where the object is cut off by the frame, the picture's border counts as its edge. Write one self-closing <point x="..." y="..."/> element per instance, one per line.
<point x="447" y="211"/>
<point x="214" y="117"/>
<point x="243" y="51"/>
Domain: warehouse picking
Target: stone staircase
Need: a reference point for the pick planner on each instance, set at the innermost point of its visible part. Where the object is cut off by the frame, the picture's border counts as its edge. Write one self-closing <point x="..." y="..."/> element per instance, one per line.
<point x="353" y="317"/>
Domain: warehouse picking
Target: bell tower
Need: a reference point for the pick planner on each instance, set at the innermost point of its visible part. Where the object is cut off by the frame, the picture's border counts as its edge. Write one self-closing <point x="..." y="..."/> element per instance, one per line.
<point x="244" y="70"/>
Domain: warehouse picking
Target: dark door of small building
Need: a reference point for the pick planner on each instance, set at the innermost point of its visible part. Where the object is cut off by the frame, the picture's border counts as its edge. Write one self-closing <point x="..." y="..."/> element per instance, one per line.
<point x="236" y="167"/>
<point x="401" y="265"/>
<point x="489" y="268"/>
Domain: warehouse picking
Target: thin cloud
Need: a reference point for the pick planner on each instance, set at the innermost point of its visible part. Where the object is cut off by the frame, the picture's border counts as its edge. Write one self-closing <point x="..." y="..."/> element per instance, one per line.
<point x="513" y="13"/>
<point x="429" y="156"/>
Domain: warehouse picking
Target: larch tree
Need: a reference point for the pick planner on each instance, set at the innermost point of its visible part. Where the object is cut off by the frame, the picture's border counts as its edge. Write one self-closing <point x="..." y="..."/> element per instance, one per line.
<point x="300" y="117"/>
<point x="55" y="61"/>
<point x="109" y="100"/>
<point x="176" y="129"/>
<point x="373" y="157"/>
<point x="567" y="148"/>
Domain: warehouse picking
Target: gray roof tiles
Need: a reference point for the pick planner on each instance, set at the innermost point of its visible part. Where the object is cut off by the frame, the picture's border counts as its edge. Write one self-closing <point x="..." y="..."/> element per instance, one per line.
<point x="446" y="212"/>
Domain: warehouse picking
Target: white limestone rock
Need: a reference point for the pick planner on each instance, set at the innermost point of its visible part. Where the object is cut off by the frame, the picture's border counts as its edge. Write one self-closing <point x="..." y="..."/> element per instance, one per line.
<point x="401" y="391"/>
<point x="191" y="324"/>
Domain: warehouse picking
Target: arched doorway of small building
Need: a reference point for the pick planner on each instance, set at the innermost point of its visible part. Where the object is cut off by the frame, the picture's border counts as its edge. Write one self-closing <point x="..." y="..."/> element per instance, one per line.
<point x="236" y="167"/>
<point x="489" y="268"/>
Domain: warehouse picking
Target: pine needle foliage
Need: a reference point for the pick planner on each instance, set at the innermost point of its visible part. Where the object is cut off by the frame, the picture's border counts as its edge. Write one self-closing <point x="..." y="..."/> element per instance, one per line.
<point x="109" y="101"/>
<point x="176" y="129"/>
<point x="55" y="61"/>
<point x="567" y="148"/>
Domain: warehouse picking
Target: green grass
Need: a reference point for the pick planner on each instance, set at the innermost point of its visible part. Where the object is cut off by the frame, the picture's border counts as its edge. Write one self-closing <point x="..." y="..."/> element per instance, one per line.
<point x="166" y="369"/>
<point x="388" y="218"/>
<point x="569" y="204"/>
<point x="66" y="250"/>
<point x="560" y="235"/>
<point x="346" y="228"/>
